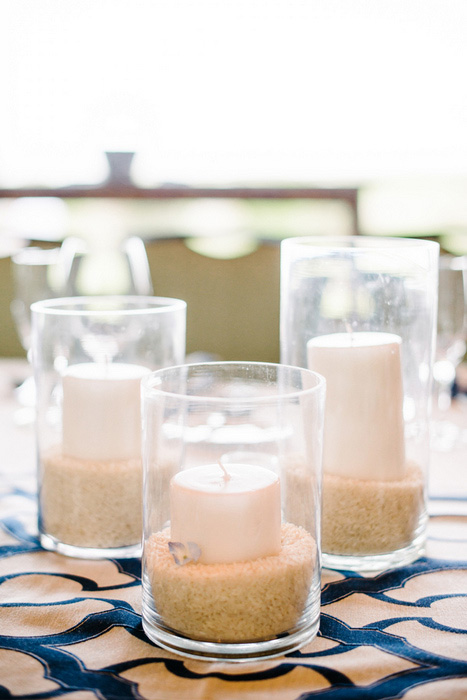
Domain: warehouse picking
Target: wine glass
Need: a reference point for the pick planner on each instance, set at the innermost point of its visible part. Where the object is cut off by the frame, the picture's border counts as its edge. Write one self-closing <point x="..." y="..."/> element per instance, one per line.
<point x="38" y="273"/>
<point x="450" y="347"/>
<point x="120" y="269"/>
<point x="49" y="273"/>
<point x="74" y="269"/>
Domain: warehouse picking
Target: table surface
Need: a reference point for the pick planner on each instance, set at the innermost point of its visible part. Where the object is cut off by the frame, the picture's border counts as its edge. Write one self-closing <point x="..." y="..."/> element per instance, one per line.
<point x="72" y="628"/>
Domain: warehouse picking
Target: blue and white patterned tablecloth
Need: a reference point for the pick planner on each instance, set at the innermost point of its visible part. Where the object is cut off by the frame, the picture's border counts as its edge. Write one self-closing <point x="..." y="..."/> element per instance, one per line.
<point x="72" y="628"/>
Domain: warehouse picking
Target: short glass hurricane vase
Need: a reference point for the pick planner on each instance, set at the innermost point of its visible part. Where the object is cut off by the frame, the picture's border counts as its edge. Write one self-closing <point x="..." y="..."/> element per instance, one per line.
<point x="89" y="356"/>
<point x="232" y="464"/>
<point x="362" y="312"/>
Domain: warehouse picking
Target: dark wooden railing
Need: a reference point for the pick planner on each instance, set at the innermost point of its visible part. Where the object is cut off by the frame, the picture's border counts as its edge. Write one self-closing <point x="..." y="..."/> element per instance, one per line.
<point x="128" y="191"/>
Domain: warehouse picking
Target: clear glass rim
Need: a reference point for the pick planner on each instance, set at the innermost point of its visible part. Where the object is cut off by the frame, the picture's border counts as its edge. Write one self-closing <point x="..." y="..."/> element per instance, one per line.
<point x="69" y="306"/>
<point x="151" y="391"/>
<point x="359" y="242"/>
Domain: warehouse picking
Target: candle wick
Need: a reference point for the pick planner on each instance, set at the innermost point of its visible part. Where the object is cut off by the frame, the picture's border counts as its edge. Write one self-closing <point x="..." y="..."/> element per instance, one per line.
<point x="227" y="476"/>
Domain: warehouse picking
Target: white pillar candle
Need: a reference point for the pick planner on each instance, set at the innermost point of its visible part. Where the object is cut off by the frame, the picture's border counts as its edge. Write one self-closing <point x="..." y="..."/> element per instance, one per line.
<point x="232" y="515"/>
<point x="101" y="411"/>
<point x="364" y="428"/>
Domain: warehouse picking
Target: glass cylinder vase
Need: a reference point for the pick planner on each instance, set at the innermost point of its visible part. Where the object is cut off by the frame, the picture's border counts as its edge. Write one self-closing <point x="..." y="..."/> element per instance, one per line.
<point x="362" y="312"/>
<point x="89" y="356"/>
<point x="232" y="461"/>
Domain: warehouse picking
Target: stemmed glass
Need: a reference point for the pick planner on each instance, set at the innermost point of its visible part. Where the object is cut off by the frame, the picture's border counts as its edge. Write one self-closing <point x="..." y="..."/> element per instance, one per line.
<point x="38" y="273"/>
<point x="98" y="269"/>
<point x="450" y="347"/>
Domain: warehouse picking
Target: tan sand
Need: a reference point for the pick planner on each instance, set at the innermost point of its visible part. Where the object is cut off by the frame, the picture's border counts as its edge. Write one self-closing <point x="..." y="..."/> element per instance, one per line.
<point x="362" y="517"/>
<point x="239" y="602"/>
<point x="89" y="503"/>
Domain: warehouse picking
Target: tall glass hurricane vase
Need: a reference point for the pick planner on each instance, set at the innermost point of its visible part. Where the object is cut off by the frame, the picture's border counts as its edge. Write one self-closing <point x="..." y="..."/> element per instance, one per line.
<point x="362" y="312"/>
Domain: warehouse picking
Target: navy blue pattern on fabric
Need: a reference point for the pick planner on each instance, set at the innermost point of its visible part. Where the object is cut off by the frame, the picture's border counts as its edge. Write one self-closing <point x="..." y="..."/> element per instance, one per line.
<point x="72" y="628"/>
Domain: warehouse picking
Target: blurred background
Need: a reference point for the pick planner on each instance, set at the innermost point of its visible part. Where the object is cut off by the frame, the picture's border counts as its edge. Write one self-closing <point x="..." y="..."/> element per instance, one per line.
<point x="209" y="131"/>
